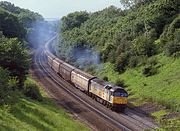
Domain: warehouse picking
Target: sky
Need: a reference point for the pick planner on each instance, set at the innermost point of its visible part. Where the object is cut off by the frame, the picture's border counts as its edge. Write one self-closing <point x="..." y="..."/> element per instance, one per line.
<point x="59" y="8"/>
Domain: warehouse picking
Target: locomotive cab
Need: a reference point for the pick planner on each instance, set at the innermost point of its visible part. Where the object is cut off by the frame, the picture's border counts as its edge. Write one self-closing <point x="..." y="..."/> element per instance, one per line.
<point x="119" y="98"/>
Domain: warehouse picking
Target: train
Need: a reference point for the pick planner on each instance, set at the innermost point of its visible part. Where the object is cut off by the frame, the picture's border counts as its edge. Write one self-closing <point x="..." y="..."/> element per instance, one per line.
<point x="114" y="97"/>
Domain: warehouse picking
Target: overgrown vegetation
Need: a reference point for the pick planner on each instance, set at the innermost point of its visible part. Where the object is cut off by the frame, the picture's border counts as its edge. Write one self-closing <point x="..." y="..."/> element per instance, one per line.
<point x="124" y="37"/>
<point x="22" y="23"/>
<point x="14" y="57"/>
<point x="36" y="115"/>
<point x="31" y="90"/>
<point x="8" y="86"/>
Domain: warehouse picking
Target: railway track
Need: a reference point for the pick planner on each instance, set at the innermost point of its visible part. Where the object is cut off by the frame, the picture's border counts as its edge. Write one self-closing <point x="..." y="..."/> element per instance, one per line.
<point x="128" y="121"/>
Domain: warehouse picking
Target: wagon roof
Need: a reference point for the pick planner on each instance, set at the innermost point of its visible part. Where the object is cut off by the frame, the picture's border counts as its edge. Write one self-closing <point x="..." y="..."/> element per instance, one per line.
<point x="86" y="75"/>
<point x="67" y="66"/>
<point x="58" y="60"/>
<point x="50" y="54"/>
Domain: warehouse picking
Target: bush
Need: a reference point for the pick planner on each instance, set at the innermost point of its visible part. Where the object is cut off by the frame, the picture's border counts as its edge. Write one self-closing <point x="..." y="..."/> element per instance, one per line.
<point x="149" y="70"/>
<point x="152" y="61"/>
<point x="121" y="62"/>
<point x="31" y="90"/>
<point x="170" y="39"/>
<point x="133" y="61"/>
<point x="172" y="48"/>
<point x="7" y="87"/>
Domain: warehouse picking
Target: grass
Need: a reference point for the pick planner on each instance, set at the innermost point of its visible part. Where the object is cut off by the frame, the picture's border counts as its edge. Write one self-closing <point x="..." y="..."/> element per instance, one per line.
<point x="32" y="115"/>
<point x="166" y="124"/>
<point x="162" y="88"/>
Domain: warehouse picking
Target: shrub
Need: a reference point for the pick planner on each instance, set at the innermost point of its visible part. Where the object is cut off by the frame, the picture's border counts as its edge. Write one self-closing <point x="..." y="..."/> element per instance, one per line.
<point x="133" y="61"/>
<point x="172" y="48"/>
<point x="31" y="90"/>
<point x="152" y="61"/>
<point x="7" y="87"/>
<point x="149" y="70"/>
<point x="170" y="38"/>
<point x="121" y="62"/>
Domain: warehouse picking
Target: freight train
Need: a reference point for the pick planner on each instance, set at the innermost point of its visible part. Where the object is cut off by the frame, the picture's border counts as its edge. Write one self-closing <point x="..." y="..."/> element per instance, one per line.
<point x="112" y="96"/>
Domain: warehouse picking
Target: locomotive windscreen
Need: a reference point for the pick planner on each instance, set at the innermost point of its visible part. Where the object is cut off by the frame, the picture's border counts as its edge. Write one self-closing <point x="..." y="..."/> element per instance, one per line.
<point x="120" y="93"/>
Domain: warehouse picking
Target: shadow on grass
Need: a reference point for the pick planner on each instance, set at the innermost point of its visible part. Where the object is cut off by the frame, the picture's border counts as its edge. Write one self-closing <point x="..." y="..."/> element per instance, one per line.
<point x="65" y="103"/>
<point x="5" y="128"/>
<point x="23" y="117"/>
<point x="38" y="114"/>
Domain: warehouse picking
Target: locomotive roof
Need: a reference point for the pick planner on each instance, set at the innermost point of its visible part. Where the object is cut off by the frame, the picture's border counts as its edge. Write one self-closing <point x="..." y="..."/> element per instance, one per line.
<point x="100" y="81"/>
<point x="105" y="84"/>
<point x="115" y="88"/>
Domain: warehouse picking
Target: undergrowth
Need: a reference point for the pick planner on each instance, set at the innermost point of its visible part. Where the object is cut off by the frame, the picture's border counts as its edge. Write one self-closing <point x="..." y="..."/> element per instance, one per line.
<point x="44" y="115"/>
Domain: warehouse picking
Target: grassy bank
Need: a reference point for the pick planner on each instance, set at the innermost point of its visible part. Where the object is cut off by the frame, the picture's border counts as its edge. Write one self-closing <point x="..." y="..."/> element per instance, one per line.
<point x="31" y="115"/>
<point x="163" y="88"/>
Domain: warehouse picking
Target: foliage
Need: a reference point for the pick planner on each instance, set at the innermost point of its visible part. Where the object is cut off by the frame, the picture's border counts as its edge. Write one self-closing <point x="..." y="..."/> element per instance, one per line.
<point x="121" y="62"/>
<point x="18" y="22"/>
<point x="130" y="3"/>
<point x="149" y="70"/>
<point x="143" y="46"/>
<point x="25" y="16"/>
<point x="42" y="115"/>
<point x="170" y="39"/>
<point x="31" y="90"/>
<point x="15" y="57"/>
<point x="7" y="86"/>
<point x="126" y="37"/>
<point x="74" y="20"/>
<point x="10" y="25"/>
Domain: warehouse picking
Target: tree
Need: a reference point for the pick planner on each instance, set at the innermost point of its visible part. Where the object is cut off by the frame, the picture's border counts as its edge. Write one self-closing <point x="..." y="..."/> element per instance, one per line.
<point x="14" y="57"/>
<point x="74" y="20"/>
<point x="143" y="45"/>
<point x="7" y="84"/>
<point x="129" y="3"/>
<point x="10" y="25"/>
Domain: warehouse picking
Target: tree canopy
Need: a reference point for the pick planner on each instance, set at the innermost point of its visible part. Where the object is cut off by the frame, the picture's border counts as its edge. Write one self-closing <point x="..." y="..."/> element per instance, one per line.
<point x="14" y="57"/>
<point x="120" y="35"/>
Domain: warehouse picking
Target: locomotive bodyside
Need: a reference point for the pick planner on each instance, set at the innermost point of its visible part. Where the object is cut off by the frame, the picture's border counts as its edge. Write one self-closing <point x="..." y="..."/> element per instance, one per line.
<point x="100" y="89"/>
